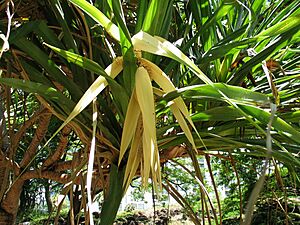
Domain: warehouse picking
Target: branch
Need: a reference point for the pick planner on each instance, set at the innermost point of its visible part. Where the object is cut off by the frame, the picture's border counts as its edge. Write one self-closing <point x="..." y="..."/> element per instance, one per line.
<point x="11" y="201"/>
<point x="8" y="163"/>
<point x="59" y="151"/>
<point x="20" y="134"/>
<point x="66" y="165"/>
<point x="181" y="151"/>
<point x="38" y="136"/>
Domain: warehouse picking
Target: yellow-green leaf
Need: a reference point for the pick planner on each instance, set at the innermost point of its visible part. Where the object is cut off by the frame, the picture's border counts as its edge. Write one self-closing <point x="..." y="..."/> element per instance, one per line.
<point x="131" y="119"/>
<point x="135" y="155"/>
<point x="145" y="99"/>
<point x="159" y="46"/>
<point x="99" y="84"/>
<point x="178" y="104"/>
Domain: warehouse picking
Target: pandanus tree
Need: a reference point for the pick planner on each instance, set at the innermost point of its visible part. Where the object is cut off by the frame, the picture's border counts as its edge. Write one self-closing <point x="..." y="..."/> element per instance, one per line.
<point x="110" y="90"/>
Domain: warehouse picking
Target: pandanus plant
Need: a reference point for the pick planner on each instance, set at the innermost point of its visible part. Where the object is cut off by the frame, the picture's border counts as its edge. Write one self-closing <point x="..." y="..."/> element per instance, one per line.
<point x="157" y="99"/>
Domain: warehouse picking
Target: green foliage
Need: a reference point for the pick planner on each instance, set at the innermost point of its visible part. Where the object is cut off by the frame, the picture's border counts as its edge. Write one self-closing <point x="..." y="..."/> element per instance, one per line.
<point x="38" y="216"/>
<point x="276" y="199"/>
<point x="124" y="214"/>
<point x="185" y="184"/>
<point x="129" y="208"/>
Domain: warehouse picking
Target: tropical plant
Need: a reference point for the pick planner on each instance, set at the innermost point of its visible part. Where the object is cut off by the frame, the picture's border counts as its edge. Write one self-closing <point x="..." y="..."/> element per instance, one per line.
<point x="196" y="78"/>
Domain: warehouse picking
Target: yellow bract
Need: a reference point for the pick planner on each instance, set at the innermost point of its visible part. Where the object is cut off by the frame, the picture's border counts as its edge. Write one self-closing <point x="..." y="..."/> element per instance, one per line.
<point x="139" y="129"/>
<point x="159" y="46"/>
<point x="140" y="125"/>
<point x="130" y="124"/>
<point x="177" y="106"/>
<point x="145" y="99"/>
<point x="140" y="118"/>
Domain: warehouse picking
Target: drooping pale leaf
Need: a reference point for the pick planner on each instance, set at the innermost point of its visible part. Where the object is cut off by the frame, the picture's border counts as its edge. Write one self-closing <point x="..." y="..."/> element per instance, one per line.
<point x="135" y="155"/>
<point x="159" y="46"/>
<point x="178" y="106"/>
<point x="59" y="102"/>
<point x="145" y="99"/>
<point x="158" y="75"/>
<point x="99" y="84"/>
<point x="90" y="65"/>
<point x="148" y="157"/>
<point x="130" y="124"/>
<point x="145" y="42"/>
<point x="181" y="121"/>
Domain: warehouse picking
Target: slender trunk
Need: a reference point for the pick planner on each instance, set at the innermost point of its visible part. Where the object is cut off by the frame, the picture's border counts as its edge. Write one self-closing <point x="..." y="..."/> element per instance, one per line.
<point x="48" y="197"/>
<point x="10" y="203"/>
<point x="5" y="217"/>
<point x="4" y="146"/>
<point x="76" y="200"/>
<point x="4" y="180"/>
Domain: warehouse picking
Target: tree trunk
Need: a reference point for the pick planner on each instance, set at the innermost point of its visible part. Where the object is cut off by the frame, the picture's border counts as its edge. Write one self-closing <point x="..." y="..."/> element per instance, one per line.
<point x="76" y="205"/>
<point x="4" y="180"/>
<point x="6" y="218"/>
<point x="48" y="197"/>
<point x="4" y="146"/>
<point x="10" y="203"/>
